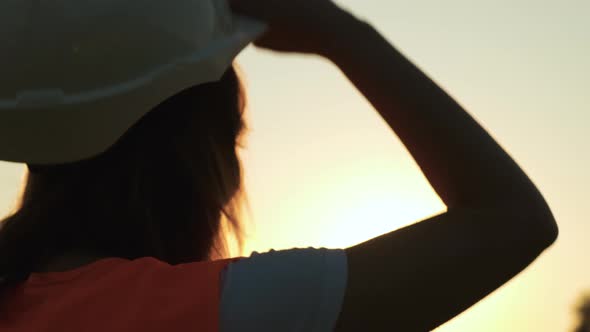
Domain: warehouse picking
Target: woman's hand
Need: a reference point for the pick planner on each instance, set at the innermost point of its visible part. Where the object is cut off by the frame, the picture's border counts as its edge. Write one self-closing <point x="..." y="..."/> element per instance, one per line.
<point x="301" y="26"/>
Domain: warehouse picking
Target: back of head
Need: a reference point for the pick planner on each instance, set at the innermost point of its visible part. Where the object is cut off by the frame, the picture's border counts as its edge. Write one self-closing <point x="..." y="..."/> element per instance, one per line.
<point x="165" y="189"/>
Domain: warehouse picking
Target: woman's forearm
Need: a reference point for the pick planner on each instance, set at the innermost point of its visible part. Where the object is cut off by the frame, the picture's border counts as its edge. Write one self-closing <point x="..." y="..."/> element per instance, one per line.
<point x="461" y="160"/>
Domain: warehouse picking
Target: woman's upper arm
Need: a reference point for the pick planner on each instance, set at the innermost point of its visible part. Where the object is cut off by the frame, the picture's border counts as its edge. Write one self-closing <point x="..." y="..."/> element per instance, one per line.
<point x="419" y="277"/>
<point x="288" y="290"/>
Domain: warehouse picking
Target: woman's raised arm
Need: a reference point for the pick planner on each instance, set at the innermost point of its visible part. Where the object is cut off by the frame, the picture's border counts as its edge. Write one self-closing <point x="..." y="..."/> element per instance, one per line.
<point x="419" y="277"/>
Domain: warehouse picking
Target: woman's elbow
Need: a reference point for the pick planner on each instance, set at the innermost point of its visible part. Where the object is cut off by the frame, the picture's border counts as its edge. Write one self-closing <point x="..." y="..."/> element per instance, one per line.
<point x="543" y="229"/>
<point x="541" y="222"/>
<point x="551" y="231"/>
<point x="547" y="225"/>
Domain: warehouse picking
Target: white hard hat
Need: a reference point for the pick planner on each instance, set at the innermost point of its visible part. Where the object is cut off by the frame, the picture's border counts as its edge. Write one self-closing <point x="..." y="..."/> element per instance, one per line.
<point x="75" y="75"/>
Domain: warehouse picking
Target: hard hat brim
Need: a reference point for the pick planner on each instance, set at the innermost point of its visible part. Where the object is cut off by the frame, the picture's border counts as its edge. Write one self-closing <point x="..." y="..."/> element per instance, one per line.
<point x="48" y="127"/>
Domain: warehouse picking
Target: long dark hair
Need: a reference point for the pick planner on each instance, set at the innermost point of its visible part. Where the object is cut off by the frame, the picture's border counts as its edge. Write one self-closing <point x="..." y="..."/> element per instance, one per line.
<point x="170" y="188"/>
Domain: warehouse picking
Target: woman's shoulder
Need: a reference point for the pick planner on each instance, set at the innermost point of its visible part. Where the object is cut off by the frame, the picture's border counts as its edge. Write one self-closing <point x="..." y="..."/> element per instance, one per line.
<point x="295" y="287"/>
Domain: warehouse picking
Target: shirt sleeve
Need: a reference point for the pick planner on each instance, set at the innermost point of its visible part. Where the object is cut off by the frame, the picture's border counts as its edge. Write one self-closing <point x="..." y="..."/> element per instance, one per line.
<point x="289" y="290"/>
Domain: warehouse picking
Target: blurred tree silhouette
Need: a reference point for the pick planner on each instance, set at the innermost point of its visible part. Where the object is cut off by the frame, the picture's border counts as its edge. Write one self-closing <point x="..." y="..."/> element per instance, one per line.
<point x="584" y="313"/>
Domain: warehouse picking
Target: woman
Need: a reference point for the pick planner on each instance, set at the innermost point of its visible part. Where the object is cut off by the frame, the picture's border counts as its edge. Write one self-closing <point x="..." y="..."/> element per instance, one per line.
<point x="127" y="239"/>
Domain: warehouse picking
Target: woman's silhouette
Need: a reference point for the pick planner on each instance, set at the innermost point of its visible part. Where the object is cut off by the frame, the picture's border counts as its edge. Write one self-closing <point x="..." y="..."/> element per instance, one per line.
<point x="128" y="238"/>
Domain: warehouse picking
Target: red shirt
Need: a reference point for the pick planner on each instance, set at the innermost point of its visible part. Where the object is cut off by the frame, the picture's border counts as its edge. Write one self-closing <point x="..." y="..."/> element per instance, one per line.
<point x="116" y="294"/>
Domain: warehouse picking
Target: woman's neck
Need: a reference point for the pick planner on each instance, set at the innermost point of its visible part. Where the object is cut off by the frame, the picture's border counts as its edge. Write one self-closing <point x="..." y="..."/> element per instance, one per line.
<point x="69" y="261"/>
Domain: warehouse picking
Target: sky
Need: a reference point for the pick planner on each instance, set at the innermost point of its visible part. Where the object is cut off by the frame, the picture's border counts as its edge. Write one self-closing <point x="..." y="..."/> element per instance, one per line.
<point x="324" y="170"/>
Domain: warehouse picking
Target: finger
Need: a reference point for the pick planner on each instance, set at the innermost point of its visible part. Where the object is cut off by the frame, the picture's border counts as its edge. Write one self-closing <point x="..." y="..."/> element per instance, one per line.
<point x="253" y="8"/>
<point x="245" y="7"/>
